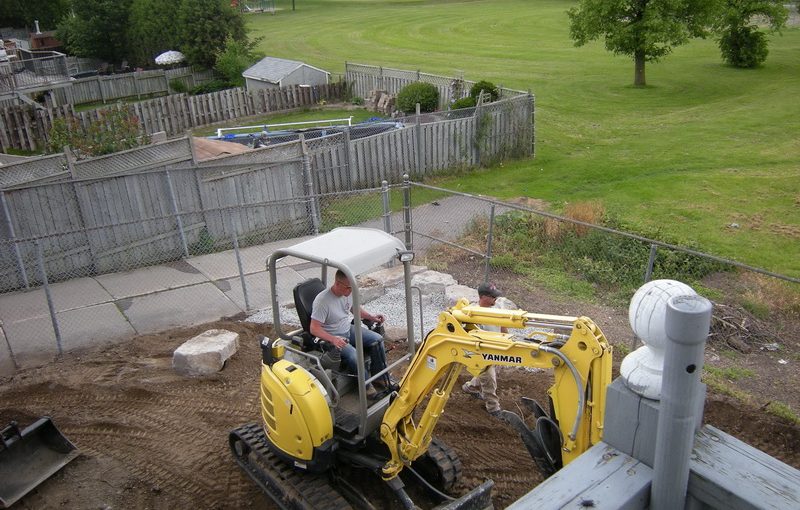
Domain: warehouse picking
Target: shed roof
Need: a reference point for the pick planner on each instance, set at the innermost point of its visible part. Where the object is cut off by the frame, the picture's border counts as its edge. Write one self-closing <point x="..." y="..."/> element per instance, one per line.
<point x="273" y="69"/>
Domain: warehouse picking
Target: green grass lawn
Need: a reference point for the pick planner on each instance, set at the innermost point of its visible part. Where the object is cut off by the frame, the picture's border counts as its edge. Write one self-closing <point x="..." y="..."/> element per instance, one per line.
<point x="702" y="147"/>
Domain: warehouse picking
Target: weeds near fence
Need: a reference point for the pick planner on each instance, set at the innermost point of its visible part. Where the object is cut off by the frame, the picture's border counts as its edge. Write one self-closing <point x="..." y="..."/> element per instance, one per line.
<point x="581" y="261"/>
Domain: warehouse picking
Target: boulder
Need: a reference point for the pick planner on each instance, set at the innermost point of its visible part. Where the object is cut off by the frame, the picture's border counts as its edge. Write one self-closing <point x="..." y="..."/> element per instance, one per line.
<point x="206" y="353"/>
<point x="432" y="282"/>
<point x="453" y="293"/>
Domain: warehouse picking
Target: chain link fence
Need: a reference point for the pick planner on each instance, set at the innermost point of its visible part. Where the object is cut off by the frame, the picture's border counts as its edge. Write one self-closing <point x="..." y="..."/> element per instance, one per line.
<point x="584" y="255"/>
<point x="55" y="284"/>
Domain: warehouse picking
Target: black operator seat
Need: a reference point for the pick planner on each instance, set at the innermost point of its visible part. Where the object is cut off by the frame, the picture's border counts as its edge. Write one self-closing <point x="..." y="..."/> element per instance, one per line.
<point x="304" y="294"/>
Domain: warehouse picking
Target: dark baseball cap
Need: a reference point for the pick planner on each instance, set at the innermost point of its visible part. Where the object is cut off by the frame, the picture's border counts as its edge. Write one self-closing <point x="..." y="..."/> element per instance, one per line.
<point x="489" y="289"/>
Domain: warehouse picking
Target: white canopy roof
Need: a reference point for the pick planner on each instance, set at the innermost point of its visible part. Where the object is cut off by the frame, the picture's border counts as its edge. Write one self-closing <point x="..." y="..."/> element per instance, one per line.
<point x="360" y="249"/>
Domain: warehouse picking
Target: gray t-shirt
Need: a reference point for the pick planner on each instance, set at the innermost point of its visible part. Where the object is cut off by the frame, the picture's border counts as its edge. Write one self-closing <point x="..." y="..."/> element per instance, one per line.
<point x="333" y="312"/>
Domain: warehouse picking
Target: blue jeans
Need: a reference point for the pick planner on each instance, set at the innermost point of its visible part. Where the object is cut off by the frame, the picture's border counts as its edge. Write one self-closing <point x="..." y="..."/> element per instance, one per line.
<point x="373" y="347"/>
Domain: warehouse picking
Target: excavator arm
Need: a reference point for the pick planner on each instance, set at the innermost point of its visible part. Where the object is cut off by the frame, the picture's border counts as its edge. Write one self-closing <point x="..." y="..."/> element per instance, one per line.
<point x="573" y="347"/>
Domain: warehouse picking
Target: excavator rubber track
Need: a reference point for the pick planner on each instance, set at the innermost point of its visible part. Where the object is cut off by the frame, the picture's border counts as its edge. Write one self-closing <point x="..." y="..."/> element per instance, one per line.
<point x="289" y="488"/>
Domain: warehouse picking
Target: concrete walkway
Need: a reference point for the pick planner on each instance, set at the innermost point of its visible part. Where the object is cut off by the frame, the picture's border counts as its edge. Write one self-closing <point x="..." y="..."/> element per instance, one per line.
<point x="116" y="306"/>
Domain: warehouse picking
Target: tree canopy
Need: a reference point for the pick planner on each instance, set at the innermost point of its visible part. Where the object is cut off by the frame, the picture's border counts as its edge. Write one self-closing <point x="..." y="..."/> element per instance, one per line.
<point x="23" y="13"/>
<point x="741" y="40"/>
<point x="138" y="30"/>
<point x="646" y="30"/>
<point x="96" y="29"/>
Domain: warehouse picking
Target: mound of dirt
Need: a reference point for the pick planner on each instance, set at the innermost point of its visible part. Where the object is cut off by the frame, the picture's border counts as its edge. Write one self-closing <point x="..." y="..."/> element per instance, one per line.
<point x="153" y="439"/>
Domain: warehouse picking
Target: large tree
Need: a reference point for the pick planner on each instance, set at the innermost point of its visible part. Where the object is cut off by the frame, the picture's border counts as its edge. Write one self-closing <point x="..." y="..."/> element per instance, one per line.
<point x="97" y="29"/>
<point x="23" y="13"/>
<point x="741" y="40"/>
<point x="203" y="27"/>
<point x="646" y="30"/>
<point x="151" y="30"/>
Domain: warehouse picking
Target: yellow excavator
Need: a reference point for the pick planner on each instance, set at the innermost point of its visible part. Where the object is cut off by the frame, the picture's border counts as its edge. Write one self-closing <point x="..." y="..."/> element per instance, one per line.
<point x="319" y="431"/>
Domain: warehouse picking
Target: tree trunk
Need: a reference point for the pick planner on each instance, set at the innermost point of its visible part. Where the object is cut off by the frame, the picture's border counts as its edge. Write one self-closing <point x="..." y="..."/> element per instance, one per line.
<point x="638" y="73"/>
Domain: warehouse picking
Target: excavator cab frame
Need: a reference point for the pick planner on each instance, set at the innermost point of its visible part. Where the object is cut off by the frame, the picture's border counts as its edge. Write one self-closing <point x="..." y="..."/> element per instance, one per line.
<point x="352" y="250"/>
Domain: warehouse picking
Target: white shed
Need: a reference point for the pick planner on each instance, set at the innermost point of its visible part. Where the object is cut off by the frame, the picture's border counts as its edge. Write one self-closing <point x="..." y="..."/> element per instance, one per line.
<point x="271" y="72"/>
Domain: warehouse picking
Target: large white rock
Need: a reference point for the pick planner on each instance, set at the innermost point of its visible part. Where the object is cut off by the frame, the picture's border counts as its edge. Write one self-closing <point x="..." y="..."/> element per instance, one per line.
<point x="206" y="353"/>
<point x="432" y="282"/>
<point x="452" y="293"/>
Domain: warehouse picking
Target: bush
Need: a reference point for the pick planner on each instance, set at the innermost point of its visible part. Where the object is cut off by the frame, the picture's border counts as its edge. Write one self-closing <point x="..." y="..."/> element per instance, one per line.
<point x="743" y="46"/>
<point x="486" y="87"/>
<point x="209" y="86"/>
<point x="178" y="86"/>
<point x="114" y="130"/>
<point x="464" y="102"/>
<point x="425" y="94"/>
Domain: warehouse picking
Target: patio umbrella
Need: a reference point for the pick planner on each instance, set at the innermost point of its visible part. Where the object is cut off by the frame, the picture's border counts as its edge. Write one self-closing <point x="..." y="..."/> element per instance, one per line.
<point x="170" y="57"/>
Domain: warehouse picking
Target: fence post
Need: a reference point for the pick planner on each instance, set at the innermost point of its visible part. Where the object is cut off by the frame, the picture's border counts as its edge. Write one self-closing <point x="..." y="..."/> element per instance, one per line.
<point x="418" y="132"/>
<point x="50" y="305"/>
<point x="489" y="244"/>
<point x="309" y="185"/>
<point x="102" y="89"/>
<point x="174" y="205"/>
<point x="349" y="159"/>
<point x="13" y="238"/>
<point x="648" y="272"/>
<point x="407" y="212"/>
<point x="194" y="169"/>
<point x="686" y="325"/>
<point x="478" y="127"/>
<point x="387" y="213"/>
<point x="532" y="127"/>
<point x="237" y="253"/>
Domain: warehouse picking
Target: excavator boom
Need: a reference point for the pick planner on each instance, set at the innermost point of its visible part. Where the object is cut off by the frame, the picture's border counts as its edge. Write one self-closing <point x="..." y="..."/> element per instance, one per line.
<point x="574" y="347"/>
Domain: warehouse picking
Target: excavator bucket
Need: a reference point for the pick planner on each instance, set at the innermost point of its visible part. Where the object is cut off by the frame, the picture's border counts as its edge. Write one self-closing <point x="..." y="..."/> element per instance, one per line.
<point x="479" y="498"/>
<point x="29" y="457"/>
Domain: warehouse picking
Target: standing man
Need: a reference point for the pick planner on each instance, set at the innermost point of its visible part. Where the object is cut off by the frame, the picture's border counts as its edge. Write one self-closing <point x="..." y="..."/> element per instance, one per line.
<point x="332" y="321"/>
<point x="484" y="387"/>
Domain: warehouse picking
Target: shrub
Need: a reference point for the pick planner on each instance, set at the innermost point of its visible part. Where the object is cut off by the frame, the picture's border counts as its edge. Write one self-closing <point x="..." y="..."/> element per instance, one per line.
<point x="486" y="87"/>
<point x="426" y="94"/>
<point x="464" y="102"/>
<point x="114" y="130"/>
<point x="209" y="86"/>
<point x="743" y="46"/>
<point x="178" y="86"/>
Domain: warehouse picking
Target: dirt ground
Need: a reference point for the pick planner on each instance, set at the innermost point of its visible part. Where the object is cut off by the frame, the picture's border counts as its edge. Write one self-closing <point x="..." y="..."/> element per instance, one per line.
<point x="151" y="439"/>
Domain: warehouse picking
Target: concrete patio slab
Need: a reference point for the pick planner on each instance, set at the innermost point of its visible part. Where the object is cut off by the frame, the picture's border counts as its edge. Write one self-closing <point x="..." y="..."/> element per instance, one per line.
<point x="33" y="341"/>
<point x="7" y="366"/>
<point x="67" y="295"/>
<point x="177" y="308"/>
<point x="148" y="280"/>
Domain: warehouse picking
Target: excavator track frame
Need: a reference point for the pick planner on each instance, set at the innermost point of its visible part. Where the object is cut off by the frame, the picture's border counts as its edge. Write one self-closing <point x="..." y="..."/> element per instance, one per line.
<point x="288" y="488"/>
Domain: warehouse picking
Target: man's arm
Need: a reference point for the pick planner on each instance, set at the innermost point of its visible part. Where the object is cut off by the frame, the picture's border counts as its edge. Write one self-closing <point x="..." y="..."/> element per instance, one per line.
<point x="379" y="318"/>
<point x="318" y="331"/>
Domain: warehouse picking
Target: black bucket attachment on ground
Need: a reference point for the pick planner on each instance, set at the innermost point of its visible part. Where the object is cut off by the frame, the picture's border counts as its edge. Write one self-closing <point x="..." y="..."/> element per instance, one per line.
<point x="479" y="498"/>
<point x="29" y="457"/>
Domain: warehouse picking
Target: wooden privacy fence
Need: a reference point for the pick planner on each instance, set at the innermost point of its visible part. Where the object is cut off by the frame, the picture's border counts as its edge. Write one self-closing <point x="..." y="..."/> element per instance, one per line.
<point x="120" y="86"/>
<point x="27" y="128"/>
<point x="157" y="203"/>
<point x="365" y="78"/>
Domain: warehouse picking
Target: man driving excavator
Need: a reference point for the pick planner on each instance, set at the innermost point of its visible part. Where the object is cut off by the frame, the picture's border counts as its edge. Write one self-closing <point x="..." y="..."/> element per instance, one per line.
<point x="332" y="321"/>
